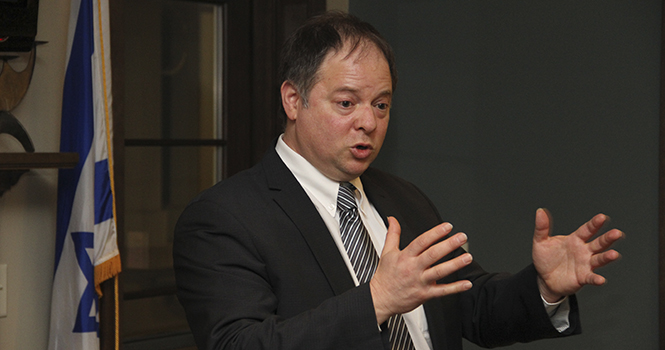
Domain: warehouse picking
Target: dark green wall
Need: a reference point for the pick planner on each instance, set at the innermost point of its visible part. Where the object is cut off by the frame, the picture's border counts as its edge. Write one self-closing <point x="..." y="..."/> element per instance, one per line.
<point x="506" y="106"/>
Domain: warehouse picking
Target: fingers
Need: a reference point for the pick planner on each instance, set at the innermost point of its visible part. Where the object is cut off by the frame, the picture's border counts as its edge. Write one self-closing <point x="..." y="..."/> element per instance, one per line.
<point x="595" y="280"/>
<point x="444" y="269"/>
<point x="441" y="249"/>
<point x="602" y="259"/>
<point x="543" y="225"/>
<point x="425" y="240"/>
<point x="429" y="248"/>
<point x="451" y="288"/>
<point x="436" y="252"/>
<point x="591" y="227"/>
<point x="605" y="241"/>
<point x="393" y="235"/>
<point x="422" y="243"/>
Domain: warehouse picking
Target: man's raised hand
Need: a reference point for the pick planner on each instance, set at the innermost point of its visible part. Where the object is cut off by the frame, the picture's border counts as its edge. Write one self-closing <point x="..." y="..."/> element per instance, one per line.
<point x="567" y="263"/>
<point x="405" y="279"/>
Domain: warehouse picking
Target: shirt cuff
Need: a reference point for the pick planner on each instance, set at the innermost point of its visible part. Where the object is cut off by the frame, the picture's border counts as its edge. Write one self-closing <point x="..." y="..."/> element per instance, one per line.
<point x="558" y="313"/>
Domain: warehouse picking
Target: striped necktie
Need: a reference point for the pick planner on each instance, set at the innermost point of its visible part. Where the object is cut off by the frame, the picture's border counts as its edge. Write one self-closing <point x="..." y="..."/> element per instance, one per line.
<point x="364" y="259"/>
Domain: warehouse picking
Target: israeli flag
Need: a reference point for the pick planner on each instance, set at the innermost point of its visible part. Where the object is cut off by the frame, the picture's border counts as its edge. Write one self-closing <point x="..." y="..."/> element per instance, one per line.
<point x="86" y="246"/>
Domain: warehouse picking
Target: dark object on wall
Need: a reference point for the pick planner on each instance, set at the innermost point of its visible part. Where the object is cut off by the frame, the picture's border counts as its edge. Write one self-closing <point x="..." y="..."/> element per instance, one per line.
<point x="18" y="24"/>
<point x="10" y="125"/>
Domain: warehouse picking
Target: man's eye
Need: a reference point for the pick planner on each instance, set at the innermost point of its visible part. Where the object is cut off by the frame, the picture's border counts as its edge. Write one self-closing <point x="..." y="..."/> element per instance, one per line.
<point x="345" y="104"/>
<point x="382" y="106"/>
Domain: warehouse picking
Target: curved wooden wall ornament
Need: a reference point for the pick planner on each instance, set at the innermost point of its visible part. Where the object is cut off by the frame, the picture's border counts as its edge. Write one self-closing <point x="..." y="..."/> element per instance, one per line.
<point x="13" y="87"/>
<point x="13" y="84"/>
<point x="11" y="126"/>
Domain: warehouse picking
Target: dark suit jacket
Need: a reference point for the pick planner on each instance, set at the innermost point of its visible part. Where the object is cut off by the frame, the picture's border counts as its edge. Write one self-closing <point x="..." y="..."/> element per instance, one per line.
<point x="256" y="268"/>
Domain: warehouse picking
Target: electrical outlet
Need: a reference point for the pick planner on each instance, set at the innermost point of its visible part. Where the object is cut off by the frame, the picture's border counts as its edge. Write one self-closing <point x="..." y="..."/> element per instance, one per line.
<point x="3" y="290"/>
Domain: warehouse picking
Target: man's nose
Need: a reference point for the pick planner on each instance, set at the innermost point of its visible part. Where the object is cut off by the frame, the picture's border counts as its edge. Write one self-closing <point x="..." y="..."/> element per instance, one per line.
<point x="366" y="119"/>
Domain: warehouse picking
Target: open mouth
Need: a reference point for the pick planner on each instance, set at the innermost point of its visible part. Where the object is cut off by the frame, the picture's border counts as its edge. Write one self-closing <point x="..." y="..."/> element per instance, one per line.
<point x="362" y="151"/>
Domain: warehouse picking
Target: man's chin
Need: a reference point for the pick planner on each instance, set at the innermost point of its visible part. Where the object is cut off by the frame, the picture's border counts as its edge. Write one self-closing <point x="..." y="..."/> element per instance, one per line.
<point x="356" y="170"/>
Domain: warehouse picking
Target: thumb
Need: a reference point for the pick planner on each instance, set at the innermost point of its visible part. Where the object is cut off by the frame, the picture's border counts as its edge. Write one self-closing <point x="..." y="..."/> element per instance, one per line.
<point x="543" y="225"/>
<point x="392" y="237"/>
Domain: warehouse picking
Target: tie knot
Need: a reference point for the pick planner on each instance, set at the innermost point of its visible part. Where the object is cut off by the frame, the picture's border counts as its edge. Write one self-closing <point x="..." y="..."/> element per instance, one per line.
<point x="346" y="199"/>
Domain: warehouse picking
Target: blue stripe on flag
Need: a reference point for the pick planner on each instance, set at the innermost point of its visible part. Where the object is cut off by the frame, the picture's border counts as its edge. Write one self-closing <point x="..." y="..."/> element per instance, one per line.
<point x="76" y="131"/>
<point x="103" y="194"/>
<point x="86" y="321"/>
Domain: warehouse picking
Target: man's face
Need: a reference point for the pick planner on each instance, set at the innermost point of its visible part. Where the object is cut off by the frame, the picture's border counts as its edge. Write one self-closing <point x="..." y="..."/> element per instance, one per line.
<point x="343" y="128"/>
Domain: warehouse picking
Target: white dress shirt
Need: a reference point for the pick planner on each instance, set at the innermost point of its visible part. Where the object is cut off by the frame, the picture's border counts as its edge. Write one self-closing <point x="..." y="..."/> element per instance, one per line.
<point x="323" y="193"/>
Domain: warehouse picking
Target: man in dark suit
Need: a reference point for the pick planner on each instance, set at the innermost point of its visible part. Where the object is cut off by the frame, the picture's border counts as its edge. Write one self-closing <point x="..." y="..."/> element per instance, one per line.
<point x="262" y="262"/>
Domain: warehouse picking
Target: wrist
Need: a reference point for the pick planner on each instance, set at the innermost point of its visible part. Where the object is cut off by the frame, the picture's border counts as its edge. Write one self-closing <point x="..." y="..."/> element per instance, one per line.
<point x="546" y="293"/>
<point x="382" y="312"/>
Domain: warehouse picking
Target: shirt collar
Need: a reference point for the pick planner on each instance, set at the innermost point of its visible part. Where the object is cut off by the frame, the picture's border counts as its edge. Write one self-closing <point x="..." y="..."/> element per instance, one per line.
<point x="312" y="180"/>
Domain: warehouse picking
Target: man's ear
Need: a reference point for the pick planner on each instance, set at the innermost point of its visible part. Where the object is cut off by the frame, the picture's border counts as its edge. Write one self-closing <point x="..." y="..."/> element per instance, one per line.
<point x="290" y="99"/>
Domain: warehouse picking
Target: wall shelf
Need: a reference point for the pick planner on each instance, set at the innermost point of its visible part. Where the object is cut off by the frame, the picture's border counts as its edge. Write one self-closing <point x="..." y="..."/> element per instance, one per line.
<point x="25" y="161"/>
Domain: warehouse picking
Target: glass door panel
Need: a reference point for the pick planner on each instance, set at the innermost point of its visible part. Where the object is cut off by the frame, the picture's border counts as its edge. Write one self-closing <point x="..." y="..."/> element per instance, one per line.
<point x="173" y="150"/>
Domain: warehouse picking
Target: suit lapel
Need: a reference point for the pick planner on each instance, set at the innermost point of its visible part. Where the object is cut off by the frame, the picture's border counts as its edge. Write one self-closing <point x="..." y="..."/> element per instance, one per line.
<point x="386" y="207"/>
<point x="296" y="204"/>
